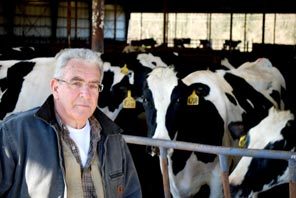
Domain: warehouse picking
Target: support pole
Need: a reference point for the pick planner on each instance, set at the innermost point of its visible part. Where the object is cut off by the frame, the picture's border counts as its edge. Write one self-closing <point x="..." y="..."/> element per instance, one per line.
<point x="69" y="23"/>
<point x="263" y="29"/>
<point x="165" y="22"/>
<point x="164" y="170"/>
<point x="292" y="174"/>
<point x="231" y="24"/>
<point x="76" y="19"/>
<point x="224" y="175"/>
<point x="97" y="42"/>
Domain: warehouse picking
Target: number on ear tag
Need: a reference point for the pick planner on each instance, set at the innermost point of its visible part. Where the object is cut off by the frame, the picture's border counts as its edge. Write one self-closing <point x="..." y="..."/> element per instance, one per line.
<point x="193" y="99"/>
<point x="129" y="102"/>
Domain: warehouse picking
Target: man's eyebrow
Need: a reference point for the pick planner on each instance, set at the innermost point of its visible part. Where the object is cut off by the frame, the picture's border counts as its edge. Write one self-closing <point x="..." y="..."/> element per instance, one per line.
<point x="77" y="78"/>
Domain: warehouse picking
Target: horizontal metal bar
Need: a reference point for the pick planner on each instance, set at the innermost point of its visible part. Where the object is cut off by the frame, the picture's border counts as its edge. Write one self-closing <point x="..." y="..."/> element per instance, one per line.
<point x="259" y="153"/>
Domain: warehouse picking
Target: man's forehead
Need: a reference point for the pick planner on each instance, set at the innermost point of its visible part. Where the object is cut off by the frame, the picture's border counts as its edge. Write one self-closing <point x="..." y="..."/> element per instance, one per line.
<point x="80" y="63"/>
<point x="81" y="71"/>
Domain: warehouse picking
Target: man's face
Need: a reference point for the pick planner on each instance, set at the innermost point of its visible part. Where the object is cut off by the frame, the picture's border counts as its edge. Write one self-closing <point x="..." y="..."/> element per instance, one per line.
<point x="75" y="92"/>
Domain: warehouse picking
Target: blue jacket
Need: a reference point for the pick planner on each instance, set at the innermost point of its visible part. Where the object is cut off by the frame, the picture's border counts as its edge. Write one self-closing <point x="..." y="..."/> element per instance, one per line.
<point x="31" y="159"/>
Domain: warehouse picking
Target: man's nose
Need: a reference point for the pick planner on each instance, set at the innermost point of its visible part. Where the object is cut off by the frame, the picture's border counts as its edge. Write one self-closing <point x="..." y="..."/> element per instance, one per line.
<point x="85" y="90"/>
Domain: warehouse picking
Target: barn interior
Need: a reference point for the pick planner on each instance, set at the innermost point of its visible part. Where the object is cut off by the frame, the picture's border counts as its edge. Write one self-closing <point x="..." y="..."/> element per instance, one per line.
<point x="51" y="25"/>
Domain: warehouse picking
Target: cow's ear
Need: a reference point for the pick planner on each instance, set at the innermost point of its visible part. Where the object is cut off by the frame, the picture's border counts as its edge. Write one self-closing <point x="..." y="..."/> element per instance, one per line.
<point x="236" y="129"/>
<point x="183" y="89"/>
<point x="181" y="84"/>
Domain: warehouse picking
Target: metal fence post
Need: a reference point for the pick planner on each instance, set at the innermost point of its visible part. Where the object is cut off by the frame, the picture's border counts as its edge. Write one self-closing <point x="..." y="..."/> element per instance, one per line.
<point x="223" y="159"/>
<point x="164" y="170"/>
<point x="292" y="175"/>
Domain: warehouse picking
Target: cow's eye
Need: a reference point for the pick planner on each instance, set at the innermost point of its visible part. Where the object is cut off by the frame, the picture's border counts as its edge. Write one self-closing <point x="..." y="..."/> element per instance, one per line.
<point x="144" y="100"/>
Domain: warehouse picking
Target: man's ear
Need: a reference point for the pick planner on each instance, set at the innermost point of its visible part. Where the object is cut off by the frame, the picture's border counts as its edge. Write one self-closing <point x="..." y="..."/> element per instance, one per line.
<point x="54" y="87"/>
<point x="237" y="129"/>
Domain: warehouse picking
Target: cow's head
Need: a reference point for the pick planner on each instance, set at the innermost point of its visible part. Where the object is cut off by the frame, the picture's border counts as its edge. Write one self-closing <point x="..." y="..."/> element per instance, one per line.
<point x="265" y="78"/>
<point x="255" y="105"/>
<point x="117" y="81"/>
<point x="156" y="100"/>
<point x="251" y="175"/>
<point x="170" y="115"/>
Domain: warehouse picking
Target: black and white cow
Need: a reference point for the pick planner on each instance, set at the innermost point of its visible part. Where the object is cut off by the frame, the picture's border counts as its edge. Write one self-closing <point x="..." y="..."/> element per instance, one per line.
<point x="265" y="79"/>
<point x="219" y="99"/>
<point x="270" y="82"/>
<point x="277" y="131"/>
<point x="24" y="84"/>
<point x="117" y="82"/>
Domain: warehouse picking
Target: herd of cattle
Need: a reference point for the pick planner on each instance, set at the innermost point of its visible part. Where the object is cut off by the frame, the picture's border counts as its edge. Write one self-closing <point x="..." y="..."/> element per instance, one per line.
<point x="214" y="106"/>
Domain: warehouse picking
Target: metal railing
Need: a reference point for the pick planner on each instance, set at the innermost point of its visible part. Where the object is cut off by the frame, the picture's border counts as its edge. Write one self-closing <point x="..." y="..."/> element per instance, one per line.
<point x="222" y="152"/>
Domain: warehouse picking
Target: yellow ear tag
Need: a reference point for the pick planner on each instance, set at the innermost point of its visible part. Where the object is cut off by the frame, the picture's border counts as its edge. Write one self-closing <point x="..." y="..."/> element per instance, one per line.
<point x="129" y="102"/>
<point x="242" y="141"/>
<point x="124" y="69"/>
<point x="193" y="99"/>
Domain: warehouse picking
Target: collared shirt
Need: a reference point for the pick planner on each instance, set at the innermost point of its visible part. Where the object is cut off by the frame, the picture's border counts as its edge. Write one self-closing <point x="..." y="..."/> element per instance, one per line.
<point x="89" y="190"/>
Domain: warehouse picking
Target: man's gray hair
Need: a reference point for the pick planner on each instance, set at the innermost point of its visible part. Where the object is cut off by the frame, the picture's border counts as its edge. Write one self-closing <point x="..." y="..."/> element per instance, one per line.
<point x="65" y="55"/>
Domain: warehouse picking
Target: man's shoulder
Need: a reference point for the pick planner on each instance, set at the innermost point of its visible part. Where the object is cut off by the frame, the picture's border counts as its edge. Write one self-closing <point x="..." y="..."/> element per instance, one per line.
<point x="19" y="116"/>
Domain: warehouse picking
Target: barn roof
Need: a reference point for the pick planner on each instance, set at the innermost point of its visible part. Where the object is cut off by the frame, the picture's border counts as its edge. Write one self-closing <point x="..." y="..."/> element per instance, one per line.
<point x="195" y="6"/>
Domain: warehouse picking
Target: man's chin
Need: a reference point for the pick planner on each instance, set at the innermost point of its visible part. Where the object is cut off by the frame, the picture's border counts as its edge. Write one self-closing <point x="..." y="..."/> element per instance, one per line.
<point x="82" y="115"/>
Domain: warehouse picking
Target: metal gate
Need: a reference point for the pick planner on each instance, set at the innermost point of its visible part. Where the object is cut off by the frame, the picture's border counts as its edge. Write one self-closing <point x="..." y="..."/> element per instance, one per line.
<point x="222" y="152"/>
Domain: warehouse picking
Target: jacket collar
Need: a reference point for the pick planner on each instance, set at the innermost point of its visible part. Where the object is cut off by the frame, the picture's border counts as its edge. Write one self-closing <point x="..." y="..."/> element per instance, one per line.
<point x="47" y="113"/>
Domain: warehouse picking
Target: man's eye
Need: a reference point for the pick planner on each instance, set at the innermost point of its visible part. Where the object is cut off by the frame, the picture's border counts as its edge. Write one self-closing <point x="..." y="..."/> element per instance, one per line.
<point x="93" y="86"/>
<point x="77" y="83"/>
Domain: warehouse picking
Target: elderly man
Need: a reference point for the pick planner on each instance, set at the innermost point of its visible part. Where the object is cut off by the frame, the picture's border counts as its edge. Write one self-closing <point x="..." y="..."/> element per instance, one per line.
<point x="67" y="147"/>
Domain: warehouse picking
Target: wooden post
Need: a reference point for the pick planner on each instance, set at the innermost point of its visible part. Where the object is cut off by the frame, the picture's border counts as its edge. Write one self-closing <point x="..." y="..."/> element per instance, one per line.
<point x="292" y="175"/>
<point x="223" y="160"/>
<point x="231" y="24"/>
<point x="165" y="22"/>
<point x="54" y="4"/>
<point x="76" y="18"/>
<point x="164" y="170"/>
<point x="97" y="42"/>
<point x="69" y="22"/>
